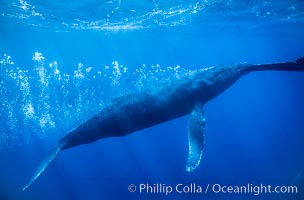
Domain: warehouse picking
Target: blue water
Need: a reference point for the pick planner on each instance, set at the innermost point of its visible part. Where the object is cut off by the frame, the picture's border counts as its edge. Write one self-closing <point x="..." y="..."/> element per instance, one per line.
<point x="61" y="62"/>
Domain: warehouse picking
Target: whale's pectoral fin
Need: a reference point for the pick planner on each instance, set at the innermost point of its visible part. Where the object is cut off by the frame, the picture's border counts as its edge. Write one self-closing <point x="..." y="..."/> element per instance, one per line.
<point x="196" y="127"/>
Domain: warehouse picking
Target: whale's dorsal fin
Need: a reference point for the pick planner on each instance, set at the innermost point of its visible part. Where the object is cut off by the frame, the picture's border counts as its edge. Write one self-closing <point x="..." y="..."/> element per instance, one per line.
<point x="196" y="128"/>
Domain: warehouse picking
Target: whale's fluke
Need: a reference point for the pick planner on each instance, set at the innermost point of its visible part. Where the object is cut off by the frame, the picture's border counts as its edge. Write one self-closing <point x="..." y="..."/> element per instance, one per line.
<point x="44" y="165"/>
<point x="196" y="127"/>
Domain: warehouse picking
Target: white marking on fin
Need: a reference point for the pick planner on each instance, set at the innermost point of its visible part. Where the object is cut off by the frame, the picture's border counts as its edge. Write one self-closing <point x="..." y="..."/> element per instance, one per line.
<point x="196" y="126"/>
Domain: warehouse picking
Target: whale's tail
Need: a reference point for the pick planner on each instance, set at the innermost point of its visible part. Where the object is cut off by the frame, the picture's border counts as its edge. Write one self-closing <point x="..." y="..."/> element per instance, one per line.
<point x="45" y="163"/>
<point x="297" y="65"/>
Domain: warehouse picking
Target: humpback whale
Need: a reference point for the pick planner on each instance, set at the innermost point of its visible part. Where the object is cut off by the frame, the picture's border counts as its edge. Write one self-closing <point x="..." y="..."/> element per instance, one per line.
<point x="134" y="112"/>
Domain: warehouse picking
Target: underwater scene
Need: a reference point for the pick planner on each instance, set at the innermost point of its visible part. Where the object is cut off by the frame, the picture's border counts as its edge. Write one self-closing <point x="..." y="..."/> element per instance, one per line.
<point x="151" y="99"/>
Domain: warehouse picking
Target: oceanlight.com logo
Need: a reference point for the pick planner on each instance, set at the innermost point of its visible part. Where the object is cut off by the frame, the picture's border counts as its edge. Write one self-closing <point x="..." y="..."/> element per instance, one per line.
<point x="194" y="188"/>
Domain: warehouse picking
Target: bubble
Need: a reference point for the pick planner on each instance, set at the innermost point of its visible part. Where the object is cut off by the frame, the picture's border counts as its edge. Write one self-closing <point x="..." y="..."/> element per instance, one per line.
<point x="29" y="111"/>
<point x="38" y="57"/>
<point x="43" y="101"/>
<point x="88" y="69"/>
